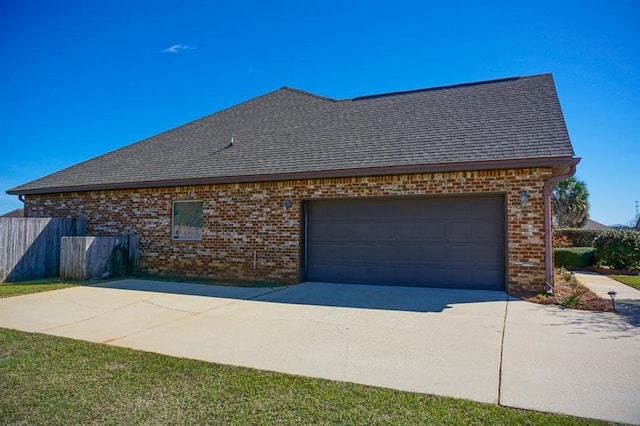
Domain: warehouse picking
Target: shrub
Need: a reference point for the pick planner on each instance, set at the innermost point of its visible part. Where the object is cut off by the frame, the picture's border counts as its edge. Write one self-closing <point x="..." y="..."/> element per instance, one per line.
<point x="566" y="275"/>
<point x="577" y="237"/>
<point x="618" y="249"/>
<point x="574" y="298"/>
<point x="578" y="291"/>
<point x="573" y="257"/>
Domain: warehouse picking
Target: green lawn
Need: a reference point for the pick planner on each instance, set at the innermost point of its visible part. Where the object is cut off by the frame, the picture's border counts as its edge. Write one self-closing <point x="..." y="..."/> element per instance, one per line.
<point x="27" y="287"/>
<point x="52" y="380"/>
<point x="630" y="280"/>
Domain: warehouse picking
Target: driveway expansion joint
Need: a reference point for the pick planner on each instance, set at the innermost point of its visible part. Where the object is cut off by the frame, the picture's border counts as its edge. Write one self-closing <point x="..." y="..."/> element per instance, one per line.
<point x="114" y="339"/>
<point x="271" y="290"/>
<point x="504" y="330"/>
<point x="149" y="301"/>
<point x="92" y="316"/>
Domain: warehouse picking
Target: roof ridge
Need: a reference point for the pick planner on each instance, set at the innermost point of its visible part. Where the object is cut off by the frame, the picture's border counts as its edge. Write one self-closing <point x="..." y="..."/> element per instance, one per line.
<point x="450" y="86"/>
<point x="246" y="101"/>
<point x="302" y="92"/>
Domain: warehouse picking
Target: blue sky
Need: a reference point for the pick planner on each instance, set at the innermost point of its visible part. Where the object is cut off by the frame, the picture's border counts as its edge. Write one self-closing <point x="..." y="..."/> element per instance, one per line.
<point x="81" y="78"/>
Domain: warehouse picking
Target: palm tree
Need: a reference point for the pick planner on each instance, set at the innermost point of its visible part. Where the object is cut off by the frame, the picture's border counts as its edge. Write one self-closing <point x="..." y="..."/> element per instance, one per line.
<point x="570" y="203"/>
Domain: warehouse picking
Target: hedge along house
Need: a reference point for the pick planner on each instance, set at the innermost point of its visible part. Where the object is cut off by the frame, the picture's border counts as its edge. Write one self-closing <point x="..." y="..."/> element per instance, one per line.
<point x="441" y="187"/>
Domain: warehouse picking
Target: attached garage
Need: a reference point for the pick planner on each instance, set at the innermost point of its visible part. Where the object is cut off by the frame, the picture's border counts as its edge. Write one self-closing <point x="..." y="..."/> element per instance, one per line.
<point x="436" y="241"/>
<point x="441" y="187"/>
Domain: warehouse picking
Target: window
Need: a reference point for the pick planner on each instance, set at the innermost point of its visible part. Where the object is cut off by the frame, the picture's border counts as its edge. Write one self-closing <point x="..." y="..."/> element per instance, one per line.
<point x="187" y="220"/>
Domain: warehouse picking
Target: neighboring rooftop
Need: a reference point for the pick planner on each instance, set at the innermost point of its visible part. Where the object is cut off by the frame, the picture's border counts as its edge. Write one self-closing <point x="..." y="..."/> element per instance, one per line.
<point x="14" y="213"/>
<point x="592" y="224"/>
<point x="289" y="133"/>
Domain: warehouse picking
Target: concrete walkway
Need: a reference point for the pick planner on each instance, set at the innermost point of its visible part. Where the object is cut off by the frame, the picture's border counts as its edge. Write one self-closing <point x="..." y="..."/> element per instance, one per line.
<point x="569" y="361"/>
<point x="577" y="362"/>
<point x="476" y="345"/>
<point x="627" y="298"/>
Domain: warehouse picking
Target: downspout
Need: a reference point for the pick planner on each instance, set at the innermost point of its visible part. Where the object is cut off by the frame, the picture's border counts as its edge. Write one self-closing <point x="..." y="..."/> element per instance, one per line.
<point x="21" y="198"/>
<point x="548" y="233"/>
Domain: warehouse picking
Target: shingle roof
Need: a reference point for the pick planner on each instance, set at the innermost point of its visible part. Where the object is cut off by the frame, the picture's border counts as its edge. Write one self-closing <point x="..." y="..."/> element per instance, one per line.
<point x="289" y="132"/>
<point x="14" y="213"/>
<point x="592" y="224"/>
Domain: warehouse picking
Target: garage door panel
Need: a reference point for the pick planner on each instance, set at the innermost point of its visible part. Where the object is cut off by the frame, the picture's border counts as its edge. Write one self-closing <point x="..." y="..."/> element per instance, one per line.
<point x="342" y="231"/>
<point x="381" y="231"/>
<point x="433" y="275"/>
<point x="332" y="272"/>
<point x="389" y="231"/>
<point x="473" y="255"/>
<point x="336" y="211"/>
<point x="433" y="254"/>
<point x="455" y="210"/>
<point x="329" y="231"/>
<point x="487" y="209"/>
<point x="406" y="231"/>
<point x="356" y="231"/>
<point x="388" y="275"/>
<point x="403" y="254"/>
<point x="486" y="231"/>
<point x="322" y="232"/>
<point x="488" y="275"/>
<point x="488" y="255"/>
<point x="459" y="254"/>
<point x="340" y="252"/>
<point x="361" y="253"/>
<point x="459" y="231"/>
<point x="455" y="242"/>
<point x="433" y="231"/>
<point x="432" y="214"/>
<point x="385" y="211"/>
<point x="463" y="276"/>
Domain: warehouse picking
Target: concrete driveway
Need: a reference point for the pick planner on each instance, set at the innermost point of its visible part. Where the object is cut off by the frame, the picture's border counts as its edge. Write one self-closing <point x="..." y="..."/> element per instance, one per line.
<point x="468" y="344"/>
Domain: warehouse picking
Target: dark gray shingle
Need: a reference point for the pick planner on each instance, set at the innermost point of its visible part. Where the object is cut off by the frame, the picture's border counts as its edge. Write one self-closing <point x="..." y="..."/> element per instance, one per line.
<point x="290" y="131"/>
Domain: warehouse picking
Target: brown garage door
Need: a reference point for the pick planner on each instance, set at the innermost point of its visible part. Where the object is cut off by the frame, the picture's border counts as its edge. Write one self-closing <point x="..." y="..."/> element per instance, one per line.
<point x="448" y="241"/>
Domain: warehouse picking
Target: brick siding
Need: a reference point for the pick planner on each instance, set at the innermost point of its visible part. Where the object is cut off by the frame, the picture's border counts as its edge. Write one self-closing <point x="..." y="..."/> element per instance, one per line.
<point x="241" y="218"/>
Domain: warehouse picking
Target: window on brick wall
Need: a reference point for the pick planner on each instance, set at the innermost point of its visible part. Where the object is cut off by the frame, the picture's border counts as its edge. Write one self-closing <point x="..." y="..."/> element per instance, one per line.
<point x="186" y="224"/>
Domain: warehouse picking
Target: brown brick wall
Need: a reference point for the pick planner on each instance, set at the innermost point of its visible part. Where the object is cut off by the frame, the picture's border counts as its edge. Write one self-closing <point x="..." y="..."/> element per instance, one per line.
<point x="241" y="218"/>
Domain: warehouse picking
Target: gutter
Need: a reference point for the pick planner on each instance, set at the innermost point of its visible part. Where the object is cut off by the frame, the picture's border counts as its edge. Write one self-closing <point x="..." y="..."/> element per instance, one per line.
<point x="548" y="234"/>
<point x="314" y="174"/>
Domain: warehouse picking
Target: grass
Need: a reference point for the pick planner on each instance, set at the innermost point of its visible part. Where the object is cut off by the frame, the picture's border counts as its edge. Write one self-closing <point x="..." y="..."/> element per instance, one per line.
<point x="35" y="286"/>
<point x="52" y="380"/>
<point x="630" y="280"/>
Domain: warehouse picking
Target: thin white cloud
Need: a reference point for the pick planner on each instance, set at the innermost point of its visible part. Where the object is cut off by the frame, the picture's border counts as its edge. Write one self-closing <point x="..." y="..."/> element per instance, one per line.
<point x="176" y="48"/>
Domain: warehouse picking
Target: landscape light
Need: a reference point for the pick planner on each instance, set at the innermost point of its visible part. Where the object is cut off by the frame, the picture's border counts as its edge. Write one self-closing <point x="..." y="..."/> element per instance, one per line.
<point x="612" y="295"/>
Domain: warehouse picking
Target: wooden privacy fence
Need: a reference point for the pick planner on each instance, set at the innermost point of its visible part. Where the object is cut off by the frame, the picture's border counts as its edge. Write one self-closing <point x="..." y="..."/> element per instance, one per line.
<point x="30" y="247"/>
<point x="83" y="258"/>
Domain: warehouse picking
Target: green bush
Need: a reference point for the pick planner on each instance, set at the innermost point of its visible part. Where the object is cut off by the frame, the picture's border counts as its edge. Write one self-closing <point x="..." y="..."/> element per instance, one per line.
<point x="577" y="237"/>
<point x="618" y="249"/>
<point x="573" y="257"/>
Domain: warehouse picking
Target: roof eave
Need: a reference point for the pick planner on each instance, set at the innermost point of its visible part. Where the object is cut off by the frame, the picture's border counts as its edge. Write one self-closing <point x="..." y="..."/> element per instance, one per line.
<point x="557" y="163"/>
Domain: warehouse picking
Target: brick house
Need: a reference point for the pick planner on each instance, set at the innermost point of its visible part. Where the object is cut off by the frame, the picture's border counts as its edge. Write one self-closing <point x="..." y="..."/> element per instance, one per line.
<point x="441" y="187"/>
